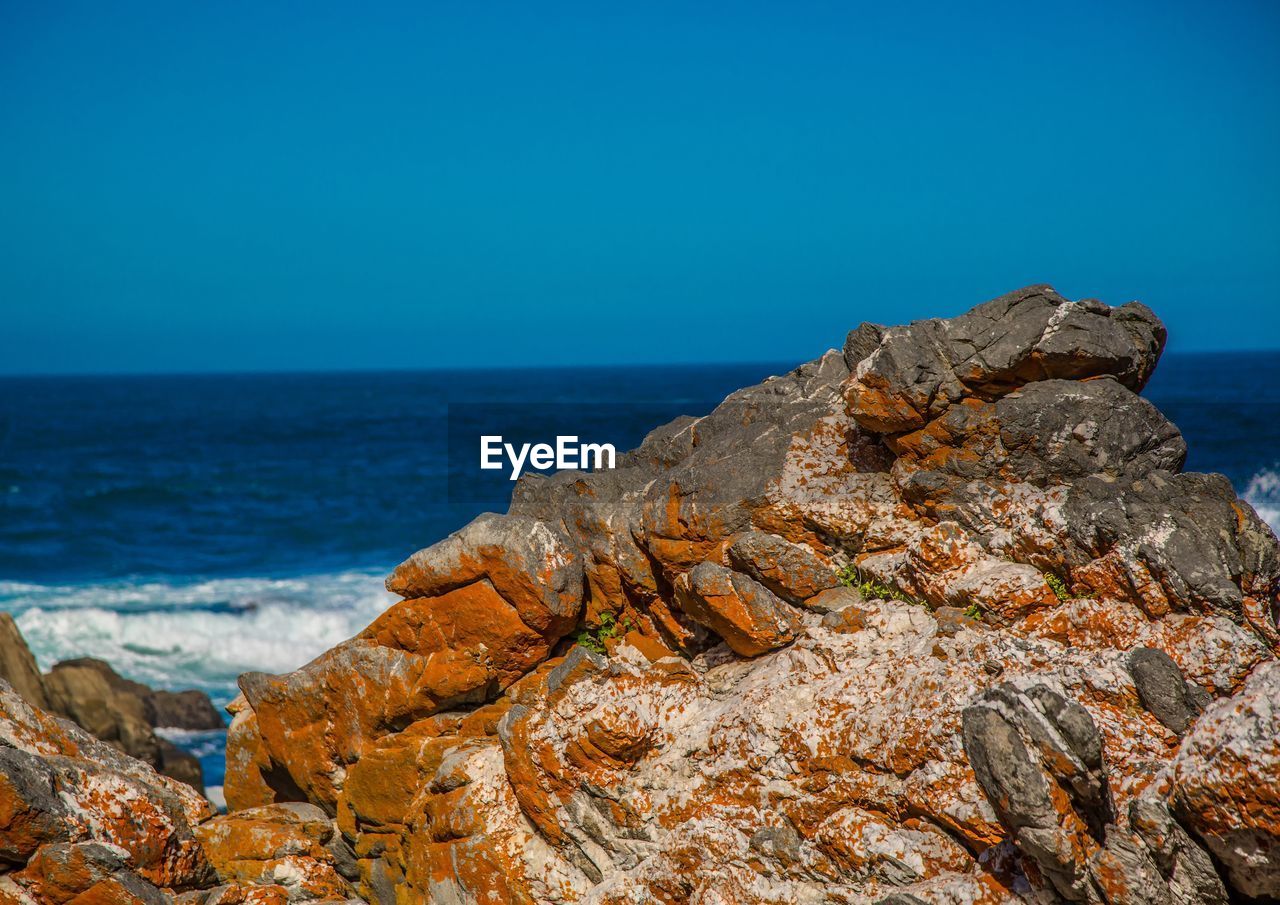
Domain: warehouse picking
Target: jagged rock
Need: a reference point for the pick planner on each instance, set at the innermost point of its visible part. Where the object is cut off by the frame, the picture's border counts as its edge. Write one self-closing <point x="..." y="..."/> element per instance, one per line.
<point x="958" y="462"/>
<point x="290" y="845"/>
<point x="59" y="784"/>
<point x="121" y="888"/>
<point x="1039" y="758"/>
<point x="524" y="561"/>
<point x="31" y="813"/>
<point x="1184" y="865"/>
<point x="1226" y="783"/>
<point x="746" y="614"/>
<point x="915" y="372"/>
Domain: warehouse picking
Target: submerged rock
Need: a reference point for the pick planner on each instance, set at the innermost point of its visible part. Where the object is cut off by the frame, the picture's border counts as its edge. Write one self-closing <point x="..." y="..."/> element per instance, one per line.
<point x="1048" y="679"/>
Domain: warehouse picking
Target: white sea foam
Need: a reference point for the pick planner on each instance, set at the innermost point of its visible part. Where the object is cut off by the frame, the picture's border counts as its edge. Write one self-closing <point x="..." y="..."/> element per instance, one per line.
<point x="200" y="742"/>
<point x="217" y="797"/>
<point x="1263" y="494"/>
<point x="201" y="635"/>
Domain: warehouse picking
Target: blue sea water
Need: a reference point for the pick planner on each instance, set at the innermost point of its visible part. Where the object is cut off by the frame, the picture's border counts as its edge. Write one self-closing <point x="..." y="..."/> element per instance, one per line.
<point x="190" y="528"/>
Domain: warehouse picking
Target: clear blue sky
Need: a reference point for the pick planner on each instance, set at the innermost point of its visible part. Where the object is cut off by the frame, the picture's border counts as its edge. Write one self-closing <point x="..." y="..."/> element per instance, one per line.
<point x="247" y="185"/>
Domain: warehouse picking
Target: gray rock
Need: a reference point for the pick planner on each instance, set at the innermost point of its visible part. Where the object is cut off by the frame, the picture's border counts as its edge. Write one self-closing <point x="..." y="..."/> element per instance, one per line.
<point x="1034" y="334"/>
<point x="1189" y="530"/>
<point x="781" y="843"/>
<point x="1162" y="689"/>
<point x="1054" y="431"/>
<point x="1024" y="742"/>
<point x="1185" y="866"/>
<point x="861" y="342"/>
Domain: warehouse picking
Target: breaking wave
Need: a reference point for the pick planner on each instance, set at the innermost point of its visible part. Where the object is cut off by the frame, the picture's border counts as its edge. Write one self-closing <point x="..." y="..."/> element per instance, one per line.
<point x="196" y="634"/>
<point x="1263" y="494"/>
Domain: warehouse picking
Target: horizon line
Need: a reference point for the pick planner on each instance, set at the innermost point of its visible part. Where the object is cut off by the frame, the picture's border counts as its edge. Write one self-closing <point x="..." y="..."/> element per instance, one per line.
<point x="610" y="366"/>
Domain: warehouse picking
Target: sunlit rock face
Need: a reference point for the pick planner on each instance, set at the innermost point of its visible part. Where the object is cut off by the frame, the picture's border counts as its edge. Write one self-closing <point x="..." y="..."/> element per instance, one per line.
<point x="936" y="617"/>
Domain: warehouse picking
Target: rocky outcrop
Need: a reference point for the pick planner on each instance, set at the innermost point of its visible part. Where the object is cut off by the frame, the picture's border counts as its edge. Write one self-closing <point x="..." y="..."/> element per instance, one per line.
<point x="1223" y="783"/>
<point x="112" y="708"/>
<point x="60" y="786"/>
<point x="934" y="618"/>
<point x="81" y="822"/>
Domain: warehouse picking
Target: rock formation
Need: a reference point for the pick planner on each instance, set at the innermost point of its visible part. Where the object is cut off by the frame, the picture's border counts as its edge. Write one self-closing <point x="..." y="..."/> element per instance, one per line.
<point x="110" y="707"/>
<point x="935" y="618"/>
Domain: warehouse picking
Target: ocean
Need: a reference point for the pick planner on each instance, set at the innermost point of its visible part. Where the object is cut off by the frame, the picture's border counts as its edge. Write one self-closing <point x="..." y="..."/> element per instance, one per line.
<point x="188" y="528"/>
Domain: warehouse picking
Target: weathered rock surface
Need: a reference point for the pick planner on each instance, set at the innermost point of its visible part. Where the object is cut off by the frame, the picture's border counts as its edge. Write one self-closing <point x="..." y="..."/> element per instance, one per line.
<point x="293" y="846"/>
<point x="1067" y="695"/>
<point x="1226" y="783"/>
<point x="58" y="784"/>
<point x="112" y="708"/>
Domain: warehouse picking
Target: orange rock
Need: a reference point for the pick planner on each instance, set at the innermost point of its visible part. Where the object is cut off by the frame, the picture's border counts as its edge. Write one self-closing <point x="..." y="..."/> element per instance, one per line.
<point x="317" y="721"/>
<point x="525" y="561"/>
<point x="57" y="784"/>
<point x="473" y="620"/>
<point x="263" y="845"/>
<point x="60" y="871"/>
<point x="743" y="612"/>
<point x="124" y="888"/>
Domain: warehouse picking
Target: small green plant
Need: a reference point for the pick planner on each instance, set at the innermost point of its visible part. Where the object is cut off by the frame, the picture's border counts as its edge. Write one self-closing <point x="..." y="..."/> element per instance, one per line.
<point x="974" y="612"/>
<point x="851" y="577"/>
<point x="1058" y="586"/>
<point x="1060" y="589"/>
<point x="609" y="627"/>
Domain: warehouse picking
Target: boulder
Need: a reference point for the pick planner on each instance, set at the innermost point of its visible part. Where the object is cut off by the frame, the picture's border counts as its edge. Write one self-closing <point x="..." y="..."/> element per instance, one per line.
<point x="914" y="373"/>
<point x="59" y="871"/>
<point x="290" y="845"/>
<point x="1039" y="758"/>
<point x="747" y="615"/>
<point x="1162" y="689"/>
<point x="58" y="784"/>
<point x="524" y="561"/>
<point x="791" y="571"/>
